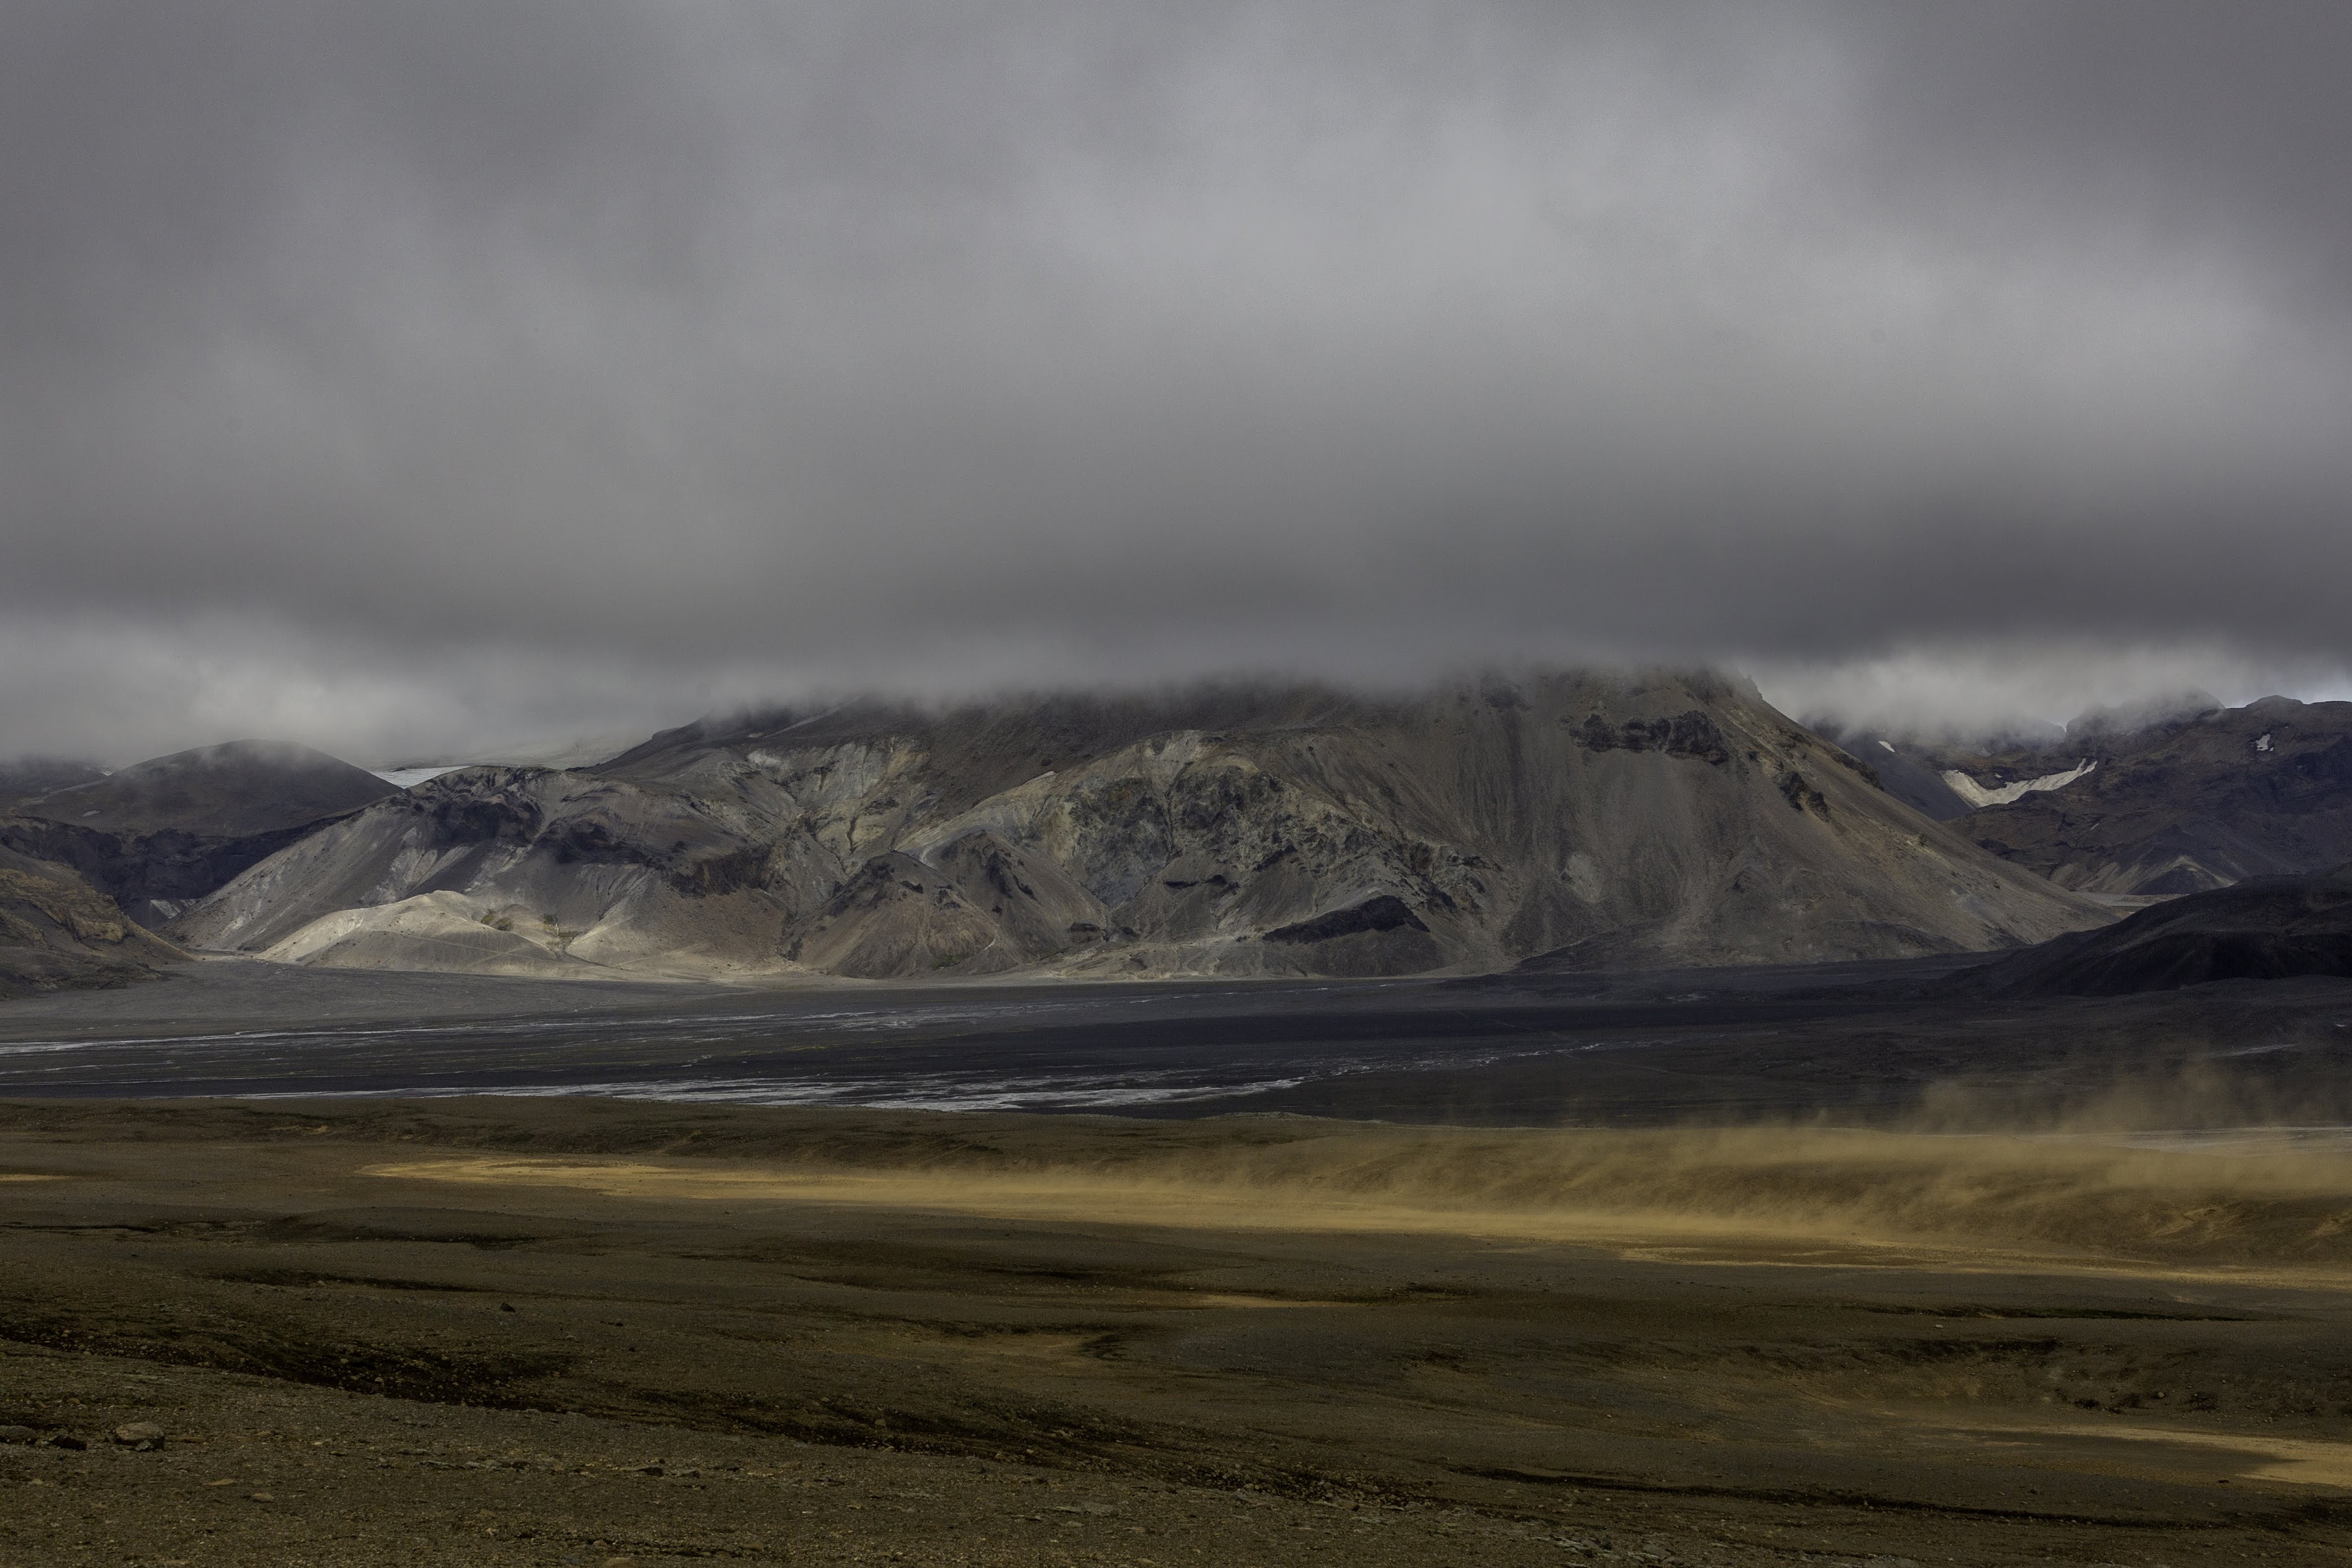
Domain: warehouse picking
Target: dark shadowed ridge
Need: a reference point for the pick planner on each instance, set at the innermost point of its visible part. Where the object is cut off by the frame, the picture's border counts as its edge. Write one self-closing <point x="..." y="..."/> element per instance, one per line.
<point x="229" y="790"/>
<point x="160" y="834"/>
<point x="2270" y="928"/>
<point x="30" y="777"/>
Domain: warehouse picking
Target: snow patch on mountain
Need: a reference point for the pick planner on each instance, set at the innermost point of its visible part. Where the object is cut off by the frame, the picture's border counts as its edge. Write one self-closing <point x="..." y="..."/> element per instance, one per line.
<point x="1979" y="796"/>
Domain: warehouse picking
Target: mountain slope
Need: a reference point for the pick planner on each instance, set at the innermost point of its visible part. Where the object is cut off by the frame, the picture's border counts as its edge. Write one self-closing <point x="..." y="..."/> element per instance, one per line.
<point x="1653" y="817"/>
<point x="160" y="834"/>
<point x="2198" y="803"/>
<point x="2265" y="929"/>
<point x="30" y="777"/>
<point x="57" y="931"/>
<point x="1904" y="771"/>
<point x="232" y="791"/>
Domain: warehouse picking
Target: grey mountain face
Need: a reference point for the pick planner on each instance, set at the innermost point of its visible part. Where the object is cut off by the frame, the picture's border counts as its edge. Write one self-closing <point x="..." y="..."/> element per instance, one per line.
<point x="161" y="834"/>
<point x="1622" y="818"/>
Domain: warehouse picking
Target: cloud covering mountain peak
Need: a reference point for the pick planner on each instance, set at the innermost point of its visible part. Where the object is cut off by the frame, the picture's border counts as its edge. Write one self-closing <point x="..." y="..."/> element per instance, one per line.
<point x="684" y="356"/>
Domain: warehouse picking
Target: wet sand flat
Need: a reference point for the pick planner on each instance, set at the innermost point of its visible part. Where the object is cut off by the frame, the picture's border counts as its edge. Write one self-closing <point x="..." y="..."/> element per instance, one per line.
<point x="547" y="1331"/>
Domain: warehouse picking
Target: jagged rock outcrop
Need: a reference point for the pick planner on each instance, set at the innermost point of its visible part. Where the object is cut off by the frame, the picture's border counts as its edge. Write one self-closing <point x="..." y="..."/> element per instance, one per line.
<point x="159" y="835"/>
<point x="1631" y="819"/>
<point x="57" y="931"/>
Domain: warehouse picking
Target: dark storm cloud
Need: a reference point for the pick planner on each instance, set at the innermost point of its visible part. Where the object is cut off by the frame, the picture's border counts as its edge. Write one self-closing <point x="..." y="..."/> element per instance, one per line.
<point x="389" y="372"/>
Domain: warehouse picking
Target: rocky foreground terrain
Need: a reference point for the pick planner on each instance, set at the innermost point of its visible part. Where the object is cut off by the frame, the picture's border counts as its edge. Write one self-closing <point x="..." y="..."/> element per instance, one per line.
<point x="1618" y="820"/>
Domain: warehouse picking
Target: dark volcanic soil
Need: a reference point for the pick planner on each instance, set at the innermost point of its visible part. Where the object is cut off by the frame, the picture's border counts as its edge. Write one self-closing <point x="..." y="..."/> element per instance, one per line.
<point x="552" y="1331"/>
<point x="1852" y="1042"/>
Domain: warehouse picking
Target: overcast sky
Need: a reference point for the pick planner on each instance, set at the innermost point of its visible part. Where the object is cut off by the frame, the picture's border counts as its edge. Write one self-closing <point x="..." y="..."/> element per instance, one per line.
<point x="408" y="378"/>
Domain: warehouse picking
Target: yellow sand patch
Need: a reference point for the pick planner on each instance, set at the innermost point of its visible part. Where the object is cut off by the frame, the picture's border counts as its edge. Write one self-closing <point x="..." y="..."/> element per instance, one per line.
<point x="1017" y="1198"/>
<point x="1088" y="1199"/>
<point x="1787" y="1198"/>
<point x="2300" y="1461"/>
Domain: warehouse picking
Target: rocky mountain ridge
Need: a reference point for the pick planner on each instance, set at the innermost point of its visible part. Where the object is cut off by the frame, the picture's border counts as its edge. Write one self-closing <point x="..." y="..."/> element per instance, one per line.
<point x="1625" y="818"/>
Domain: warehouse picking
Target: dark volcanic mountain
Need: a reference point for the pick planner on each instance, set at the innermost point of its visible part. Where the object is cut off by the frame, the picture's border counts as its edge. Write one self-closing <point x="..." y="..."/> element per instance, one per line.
<point x="56" y="930"/>
<point x="1651" y="818"/>
<point x="243" y="788"/>
<point x="163" y="833"/>
<point x="2270" y="928"/>
<point x="2196" y="803"/>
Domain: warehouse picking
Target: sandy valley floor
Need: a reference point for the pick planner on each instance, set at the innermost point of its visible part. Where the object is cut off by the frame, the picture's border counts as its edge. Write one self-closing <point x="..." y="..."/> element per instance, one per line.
<point x="570" y="1331"/>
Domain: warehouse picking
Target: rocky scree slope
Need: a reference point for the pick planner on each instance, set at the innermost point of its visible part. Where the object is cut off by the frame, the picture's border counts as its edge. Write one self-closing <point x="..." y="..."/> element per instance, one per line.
<point x="159" y="835"/>
<point x="1624" y="820"/>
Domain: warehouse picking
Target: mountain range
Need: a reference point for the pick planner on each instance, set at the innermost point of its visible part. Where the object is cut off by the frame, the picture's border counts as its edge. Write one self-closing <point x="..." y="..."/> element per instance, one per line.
<point x="1587" y="821"/>
<point x="1619" y="820"/>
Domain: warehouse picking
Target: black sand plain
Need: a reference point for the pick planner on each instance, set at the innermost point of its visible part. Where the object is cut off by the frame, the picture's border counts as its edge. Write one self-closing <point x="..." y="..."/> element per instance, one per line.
<point x="1760" y="1267"/>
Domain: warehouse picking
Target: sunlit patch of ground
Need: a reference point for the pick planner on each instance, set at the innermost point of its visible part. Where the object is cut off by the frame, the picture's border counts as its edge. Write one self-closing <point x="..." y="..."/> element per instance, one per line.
<point x="2277" y="1208"/>
<point x="2185" y="1455"/>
